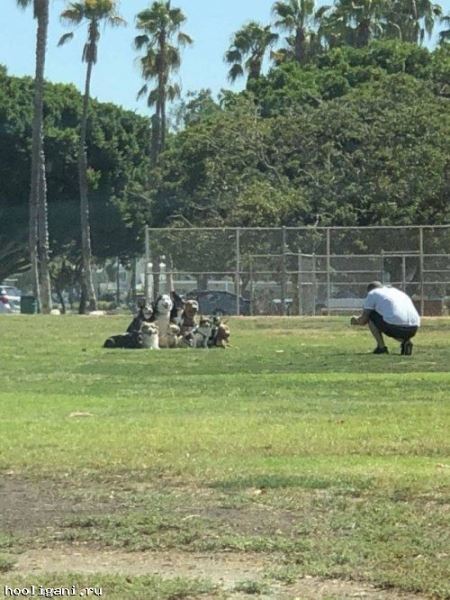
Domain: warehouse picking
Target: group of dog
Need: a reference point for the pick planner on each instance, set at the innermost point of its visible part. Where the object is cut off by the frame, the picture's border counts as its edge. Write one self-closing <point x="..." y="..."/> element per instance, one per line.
<point x="172" y="322"/>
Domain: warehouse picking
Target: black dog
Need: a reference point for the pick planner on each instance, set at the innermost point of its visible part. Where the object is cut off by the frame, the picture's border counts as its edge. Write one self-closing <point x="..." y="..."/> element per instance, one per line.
<point x="145" y="315"/>
<point x="133" y="337"/>
<point x="178" y="306"/>
<point x="125" y="340"/>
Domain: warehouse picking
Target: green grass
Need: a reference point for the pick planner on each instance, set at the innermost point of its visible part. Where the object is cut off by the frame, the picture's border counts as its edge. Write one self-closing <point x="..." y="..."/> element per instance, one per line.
<point x="295" y="442"/>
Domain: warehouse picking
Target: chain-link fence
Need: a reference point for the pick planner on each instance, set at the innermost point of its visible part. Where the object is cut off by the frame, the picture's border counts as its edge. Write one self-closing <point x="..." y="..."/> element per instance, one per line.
<point x="297" y="270"/>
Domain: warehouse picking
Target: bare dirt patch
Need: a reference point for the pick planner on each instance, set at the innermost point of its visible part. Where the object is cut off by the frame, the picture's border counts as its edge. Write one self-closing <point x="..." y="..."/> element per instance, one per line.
<point x="27" y="506"/>
<point x="224" y="569"/>
<point x="31" y="508"/>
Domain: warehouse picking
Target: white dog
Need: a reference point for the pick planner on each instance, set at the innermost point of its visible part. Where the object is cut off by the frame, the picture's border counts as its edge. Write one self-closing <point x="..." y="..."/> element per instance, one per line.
<point x="202" y="333"/>
<point x="150" y="336"/>
<point x="161" y="317"/>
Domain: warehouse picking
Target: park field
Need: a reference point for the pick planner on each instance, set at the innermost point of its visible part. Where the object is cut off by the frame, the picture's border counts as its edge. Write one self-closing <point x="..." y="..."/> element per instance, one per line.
<point x="294" y="464"/>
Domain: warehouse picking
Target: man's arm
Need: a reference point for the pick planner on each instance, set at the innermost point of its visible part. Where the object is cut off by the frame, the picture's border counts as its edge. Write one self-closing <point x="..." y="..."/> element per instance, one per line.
<point x="363" y="319"/>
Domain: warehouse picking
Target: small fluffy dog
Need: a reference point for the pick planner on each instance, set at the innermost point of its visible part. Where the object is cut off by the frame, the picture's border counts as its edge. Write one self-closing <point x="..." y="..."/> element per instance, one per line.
<point x="188" y="317"/>
<point x="174" y="339"/>
<point x="222" y="338"/>
<point x="202" y="333"/>
<point x="150" y="336"/>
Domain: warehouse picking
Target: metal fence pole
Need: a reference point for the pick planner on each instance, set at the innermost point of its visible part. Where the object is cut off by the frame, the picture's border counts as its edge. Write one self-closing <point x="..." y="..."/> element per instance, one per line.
<point x="314" y="284"/>
<point x="147" y="263"/>
<point x="328" y="270"/>
<point x="118" y="282"/>
<point x="252" y="286"/>
<point x="283" y="272"/>
<point x="299" y="282"/>
<point x="421" y="261"/>
<point x="404" y="272"/>
<point x="237" y="283"/>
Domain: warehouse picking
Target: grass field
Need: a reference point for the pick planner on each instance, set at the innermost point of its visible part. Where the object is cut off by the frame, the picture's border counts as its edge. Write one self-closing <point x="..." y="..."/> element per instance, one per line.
<point x="295" y="451"/>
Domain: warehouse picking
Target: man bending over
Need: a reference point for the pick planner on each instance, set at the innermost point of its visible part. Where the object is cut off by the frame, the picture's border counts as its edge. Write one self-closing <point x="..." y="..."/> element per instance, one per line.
<point x="389" y="311"/>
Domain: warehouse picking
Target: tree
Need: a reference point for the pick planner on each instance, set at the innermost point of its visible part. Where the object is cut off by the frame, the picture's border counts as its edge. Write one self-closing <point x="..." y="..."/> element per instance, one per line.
<point x="160" y="25"/>
<point x="248" y="49"/>
<point x="356" y="22"/>
<point x="444" y="35"/>
<point x="93" y="12"/>
<point x="298" y="18"/>
<point x="38" y="224"/>
<point x="411" y="20"/>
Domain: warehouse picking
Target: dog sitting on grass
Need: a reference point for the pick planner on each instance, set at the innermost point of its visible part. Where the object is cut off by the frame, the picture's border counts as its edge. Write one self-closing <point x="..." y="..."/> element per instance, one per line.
<point x="161" y="317"/>
<point x="222" y="338"/>
<point x="175" y="339"/>
<point x="150" y="336"/>
<point x="202" y="333"/>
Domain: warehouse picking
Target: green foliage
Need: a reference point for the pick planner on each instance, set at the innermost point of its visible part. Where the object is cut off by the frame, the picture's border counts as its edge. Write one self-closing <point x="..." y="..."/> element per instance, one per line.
<point x="117" y="153"/>
<point x="361" y="137"/>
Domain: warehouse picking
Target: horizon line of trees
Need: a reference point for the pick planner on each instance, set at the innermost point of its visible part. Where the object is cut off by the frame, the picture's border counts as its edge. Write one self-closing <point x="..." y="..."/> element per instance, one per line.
<point x="312" y="35"/>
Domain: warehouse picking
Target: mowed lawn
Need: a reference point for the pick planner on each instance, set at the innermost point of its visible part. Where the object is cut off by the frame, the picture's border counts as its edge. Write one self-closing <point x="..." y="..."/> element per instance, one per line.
<point x="295" y="443"/>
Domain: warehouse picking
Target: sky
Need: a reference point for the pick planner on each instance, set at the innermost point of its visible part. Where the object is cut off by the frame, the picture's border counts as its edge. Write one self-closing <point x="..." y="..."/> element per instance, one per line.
<point x="116" y="77"/>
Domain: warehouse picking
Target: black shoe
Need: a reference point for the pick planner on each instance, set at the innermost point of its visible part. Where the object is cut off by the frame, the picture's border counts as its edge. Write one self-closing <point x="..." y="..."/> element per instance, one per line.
<point x="382" y="350"/>
<point x="407" y="348"/>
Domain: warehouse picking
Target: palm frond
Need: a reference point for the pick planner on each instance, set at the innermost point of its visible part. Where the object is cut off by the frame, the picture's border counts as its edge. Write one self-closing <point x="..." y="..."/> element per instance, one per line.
<point x="142" y="92"/>
<point x="235" y="72"/>
<point x="140" y="41"/>
<point x="65" y="38"/>
<point x="184" y="39"/>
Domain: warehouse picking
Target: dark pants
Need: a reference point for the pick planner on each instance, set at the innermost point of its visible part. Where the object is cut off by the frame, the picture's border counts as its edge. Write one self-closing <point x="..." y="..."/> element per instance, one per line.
<point x="398" y="332"/>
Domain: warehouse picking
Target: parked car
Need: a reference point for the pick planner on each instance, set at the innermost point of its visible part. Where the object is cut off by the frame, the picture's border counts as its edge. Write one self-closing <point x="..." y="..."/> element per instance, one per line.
<point x="341" y="302"/>
<point x="13" y="296"/>
<point x="5" y="306"/>
<point x="219" y="303"/>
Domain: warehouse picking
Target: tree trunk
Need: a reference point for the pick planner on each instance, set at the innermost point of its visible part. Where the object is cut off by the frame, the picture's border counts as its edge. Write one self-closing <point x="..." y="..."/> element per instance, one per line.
<point x="41" y="12"/>
<point x="44" y="272"/>
<point x="86" y="252"/>
<point x="299" y="48"/>
<point x="155" y="138"/>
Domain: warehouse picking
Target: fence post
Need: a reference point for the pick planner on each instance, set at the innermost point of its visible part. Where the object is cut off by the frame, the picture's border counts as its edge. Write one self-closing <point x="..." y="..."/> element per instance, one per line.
<point x="252" y="285"/>
<point x="421" y="262"/>
<point x="404" y="272"/>
<point x="314" y="283"/>
<point x="118" y="282"/>
<point x="299" y="282"/>
<point x="147" y="264"/>
<point x="237" y="280"/>
<point x="328" y="270"/>
<point x="283" y="272"/>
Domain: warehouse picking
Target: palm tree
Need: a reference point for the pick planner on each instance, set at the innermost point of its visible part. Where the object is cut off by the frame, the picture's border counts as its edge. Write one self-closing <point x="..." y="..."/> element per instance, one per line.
<point x="93" y="12"/>
<point x="356" y="22"/>
<point x="160" y="24"/>
<point x="413" y="19"/>
<point x="298" y="18"/>
<point x="38" y="222"/>
<point x="444" y="35"/>
<point x="247" y="51"/>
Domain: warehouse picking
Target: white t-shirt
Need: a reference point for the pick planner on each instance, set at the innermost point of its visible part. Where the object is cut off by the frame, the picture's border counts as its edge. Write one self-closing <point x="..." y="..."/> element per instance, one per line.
<point x="393" y="305"/>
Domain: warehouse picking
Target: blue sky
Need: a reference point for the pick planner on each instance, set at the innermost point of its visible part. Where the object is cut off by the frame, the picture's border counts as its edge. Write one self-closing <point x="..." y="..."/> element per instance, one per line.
<point x="116" y="77"/>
